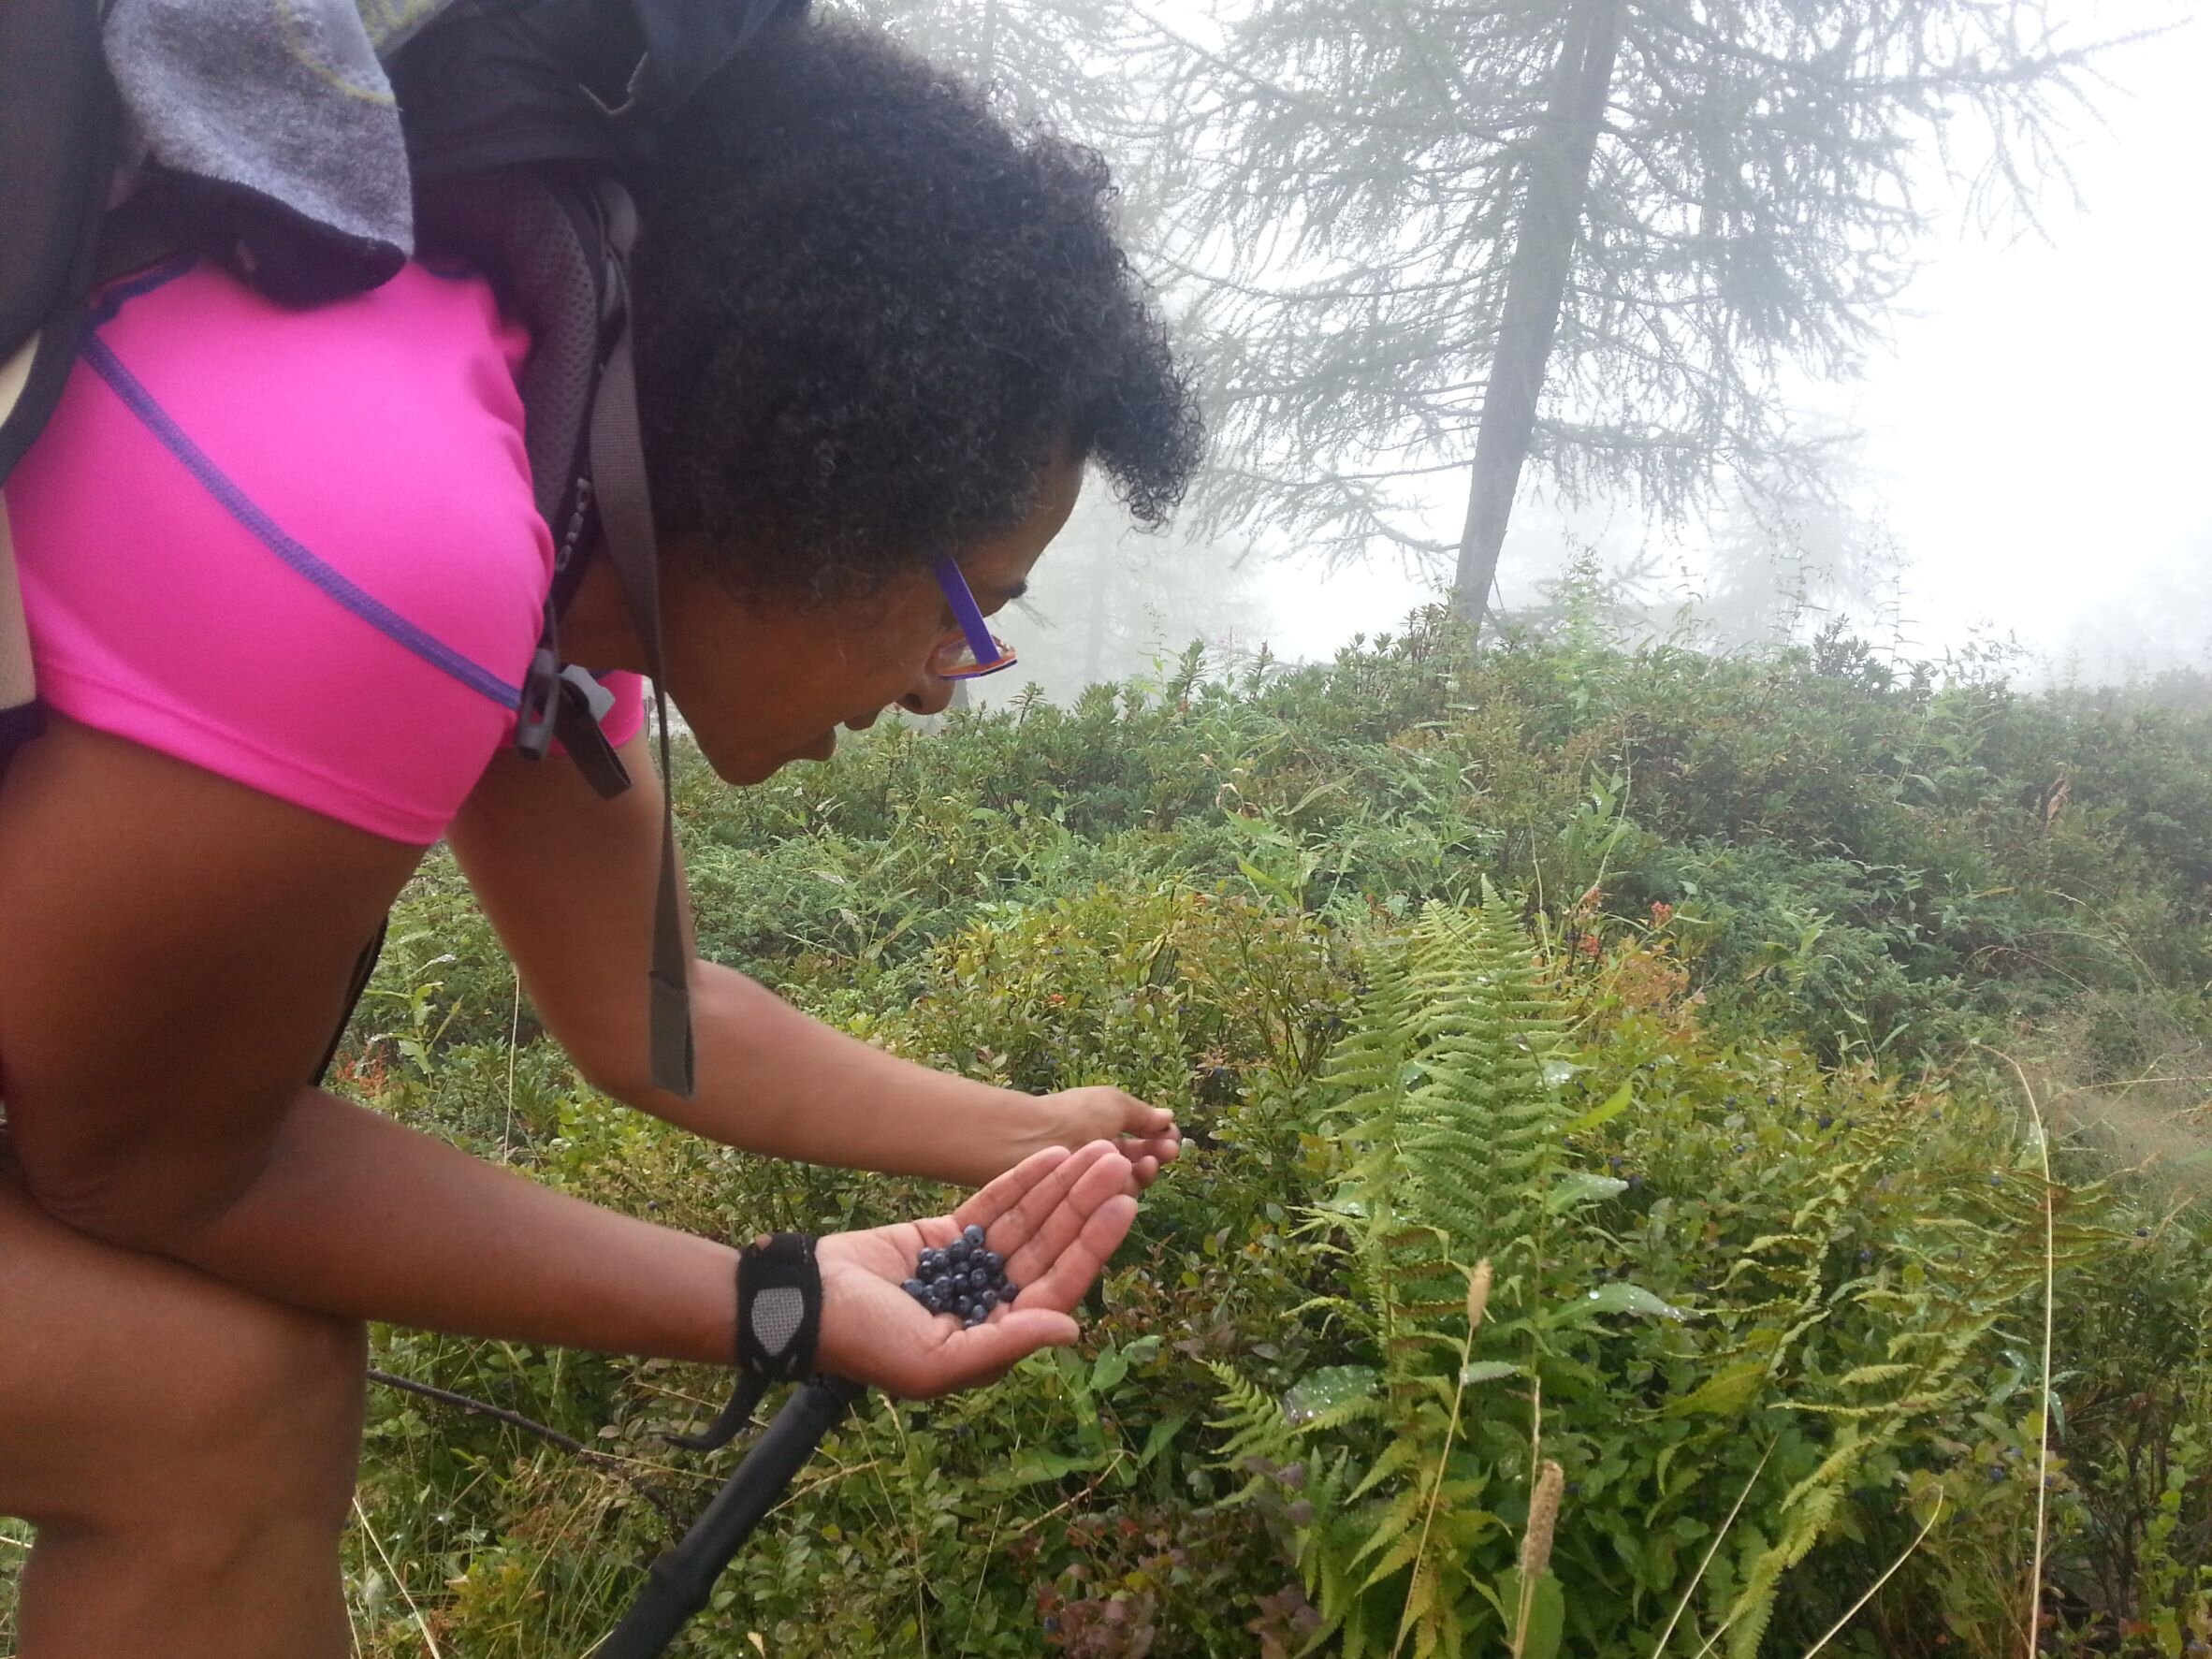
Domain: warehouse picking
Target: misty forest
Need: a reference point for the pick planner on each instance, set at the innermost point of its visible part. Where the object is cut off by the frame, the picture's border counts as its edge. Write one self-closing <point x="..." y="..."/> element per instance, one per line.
<point x="1659" y="851"/>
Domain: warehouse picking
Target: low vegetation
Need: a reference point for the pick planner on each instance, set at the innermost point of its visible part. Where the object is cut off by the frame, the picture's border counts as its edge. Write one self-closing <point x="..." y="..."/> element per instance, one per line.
<point x="1712" y="1103"/>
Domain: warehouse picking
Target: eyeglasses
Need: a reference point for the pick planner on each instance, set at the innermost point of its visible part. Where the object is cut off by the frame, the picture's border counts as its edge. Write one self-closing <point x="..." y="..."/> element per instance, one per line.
<point x="978" y="651"/>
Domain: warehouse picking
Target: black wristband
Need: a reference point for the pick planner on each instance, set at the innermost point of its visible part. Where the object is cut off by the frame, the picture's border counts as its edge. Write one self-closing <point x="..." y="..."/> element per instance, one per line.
<point x="779" y="1318"/>
<point x="778" y="1306"/>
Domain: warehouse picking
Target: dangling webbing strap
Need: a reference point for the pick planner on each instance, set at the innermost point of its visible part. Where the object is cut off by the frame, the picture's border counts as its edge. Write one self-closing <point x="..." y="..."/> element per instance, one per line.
<point x="626" y="522"/>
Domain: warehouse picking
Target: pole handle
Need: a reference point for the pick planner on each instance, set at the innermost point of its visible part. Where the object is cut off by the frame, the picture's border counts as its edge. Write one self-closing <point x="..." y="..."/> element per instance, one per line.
<point x="678" y="1584"/>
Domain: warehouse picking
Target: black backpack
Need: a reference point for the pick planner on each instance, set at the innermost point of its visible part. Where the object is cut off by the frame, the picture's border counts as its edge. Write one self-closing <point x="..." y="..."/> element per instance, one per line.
<point x="58" y="122"/>
<point x="523" y="120"/>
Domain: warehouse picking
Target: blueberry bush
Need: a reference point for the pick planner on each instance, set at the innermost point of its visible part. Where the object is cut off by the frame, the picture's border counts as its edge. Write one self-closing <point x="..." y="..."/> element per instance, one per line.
<point x="1647" y="1113"/>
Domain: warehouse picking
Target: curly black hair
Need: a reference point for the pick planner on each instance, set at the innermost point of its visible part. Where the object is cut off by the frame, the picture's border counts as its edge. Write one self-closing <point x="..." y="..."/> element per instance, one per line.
<point x="868" y="313"/>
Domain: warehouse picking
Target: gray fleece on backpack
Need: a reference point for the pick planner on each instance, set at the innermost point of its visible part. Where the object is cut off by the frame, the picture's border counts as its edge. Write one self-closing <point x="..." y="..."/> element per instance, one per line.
<point x="284" y="97"/>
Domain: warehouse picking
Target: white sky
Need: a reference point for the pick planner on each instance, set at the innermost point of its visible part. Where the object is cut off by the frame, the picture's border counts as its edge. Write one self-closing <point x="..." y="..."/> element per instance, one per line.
<point x="2039" y="432"/>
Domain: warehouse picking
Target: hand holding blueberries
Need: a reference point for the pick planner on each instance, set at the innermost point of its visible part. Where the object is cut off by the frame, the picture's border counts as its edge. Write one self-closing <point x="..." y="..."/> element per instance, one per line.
<point x="1048" y="1225"/>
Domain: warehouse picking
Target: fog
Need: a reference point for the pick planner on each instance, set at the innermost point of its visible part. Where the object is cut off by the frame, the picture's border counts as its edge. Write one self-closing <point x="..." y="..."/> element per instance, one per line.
<point x="2022" y="461"/>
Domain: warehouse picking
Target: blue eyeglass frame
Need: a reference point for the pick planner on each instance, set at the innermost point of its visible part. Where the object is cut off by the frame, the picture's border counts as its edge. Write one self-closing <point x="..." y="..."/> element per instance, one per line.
<point x="991" y="653"/>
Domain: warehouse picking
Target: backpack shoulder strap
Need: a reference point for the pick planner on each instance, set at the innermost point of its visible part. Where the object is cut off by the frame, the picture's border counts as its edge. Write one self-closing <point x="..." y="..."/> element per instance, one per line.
<point x="557" y="241"/>
<point x="58" y="141"/>
<point x="626" y="522"/>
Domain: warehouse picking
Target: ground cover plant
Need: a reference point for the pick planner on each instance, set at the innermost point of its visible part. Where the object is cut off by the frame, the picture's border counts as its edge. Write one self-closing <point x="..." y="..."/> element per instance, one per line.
<point x="1643" y="1107"/>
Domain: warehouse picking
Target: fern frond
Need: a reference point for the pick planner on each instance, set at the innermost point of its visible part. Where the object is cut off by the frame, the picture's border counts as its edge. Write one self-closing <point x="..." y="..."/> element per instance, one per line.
<point x="1254" y="1422"/>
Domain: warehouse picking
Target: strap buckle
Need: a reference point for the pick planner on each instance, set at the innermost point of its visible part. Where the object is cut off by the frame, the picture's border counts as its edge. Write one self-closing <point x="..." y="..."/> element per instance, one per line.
<point x="584" y="703"/>
<point x="540" y="705"/>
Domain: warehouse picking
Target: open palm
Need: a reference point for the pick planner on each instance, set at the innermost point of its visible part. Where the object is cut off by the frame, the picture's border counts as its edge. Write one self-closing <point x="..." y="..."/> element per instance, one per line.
<point x="1057" y="1217"/>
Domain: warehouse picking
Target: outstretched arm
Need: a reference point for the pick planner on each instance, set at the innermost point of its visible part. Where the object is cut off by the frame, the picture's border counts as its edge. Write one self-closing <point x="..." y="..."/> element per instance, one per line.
<point x="567" y="878"/>
<point x="173" y="950"/>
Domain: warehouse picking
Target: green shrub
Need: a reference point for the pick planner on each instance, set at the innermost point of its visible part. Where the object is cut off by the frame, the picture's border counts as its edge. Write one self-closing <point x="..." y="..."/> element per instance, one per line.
<point x="1727" y="1051"/>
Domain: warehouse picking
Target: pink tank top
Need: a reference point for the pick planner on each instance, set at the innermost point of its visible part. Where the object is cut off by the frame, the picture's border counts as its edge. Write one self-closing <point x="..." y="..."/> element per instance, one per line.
<point x="298" y="548"/>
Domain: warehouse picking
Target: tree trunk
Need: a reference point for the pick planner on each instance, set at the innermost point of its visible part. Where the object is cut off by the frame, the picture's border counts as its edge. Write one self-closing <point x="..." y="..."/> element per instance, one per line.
<point x="1536" y="283"/>
<point x="1094" y="642"/>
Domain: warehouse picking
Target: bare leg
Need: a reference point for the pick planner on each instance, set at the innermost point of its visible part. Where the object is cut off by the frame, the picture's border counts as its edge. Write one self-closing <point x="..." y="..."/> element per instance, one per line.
<point x="185" y="1450"/>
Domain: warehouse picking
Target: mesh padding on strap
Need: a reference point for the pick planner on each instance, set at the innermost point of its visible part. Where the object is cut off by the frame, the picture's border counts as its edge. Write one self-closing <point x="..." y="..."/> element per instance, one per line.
<point x="511" y="227"/>
<point x="778" y="1312"/>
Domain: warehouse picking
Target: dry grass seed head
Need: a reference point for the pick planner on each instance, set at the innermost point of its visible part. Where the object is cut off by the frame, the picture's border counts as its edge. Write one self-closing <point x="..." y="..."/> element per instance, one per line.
<point x="1543" y="1518"/>
<point x="1477" y="1295"/>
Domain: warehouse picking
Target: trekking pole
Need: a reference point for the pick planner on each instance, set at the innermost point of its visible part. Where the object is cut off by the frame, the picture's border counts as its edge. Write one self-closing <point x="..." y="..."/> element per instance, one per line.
<point x="682" y="1580"/>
